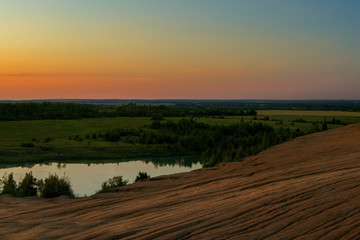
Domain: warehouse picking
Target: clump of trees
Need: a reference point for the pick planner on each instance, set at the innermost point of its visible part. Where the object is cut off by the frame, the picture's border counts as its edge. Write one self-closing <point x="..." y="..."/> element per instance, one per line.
<point x="52" y="186"/>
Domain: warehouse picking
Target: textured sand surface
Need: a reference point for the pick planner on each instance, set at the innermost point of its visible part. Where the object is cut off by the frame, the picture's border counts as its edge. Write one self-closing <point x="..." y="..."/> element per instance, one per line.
<point x="308" y="188"/>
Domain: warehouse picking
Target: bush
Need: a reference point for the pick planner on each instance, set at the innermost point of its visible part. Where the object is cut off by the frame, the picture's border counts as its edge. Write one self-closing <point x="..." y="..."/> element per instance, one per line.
<point x="28" y="186"/>
<point x="324" y="126"/>
<point x="113" y="183"/>
<point x="29" y="145"/>
<point x="54" y="186"/>
<point x="9" y="185"/>
<point x="142" y="176"/>
<point x="158" y="117"/>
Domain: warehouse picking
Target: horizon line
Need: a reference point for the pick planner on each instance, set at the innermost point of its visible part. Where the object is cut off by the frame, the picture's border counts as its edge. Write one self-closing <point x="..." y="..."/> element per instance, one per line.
<point x="175" y="99"/>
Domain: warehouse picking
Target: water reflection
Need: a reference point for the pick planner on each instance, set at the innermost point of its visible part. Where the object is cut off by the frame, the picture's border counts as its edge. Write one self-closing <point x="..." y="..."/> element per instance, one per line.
<point x="182" y="161"/>
<point x="61" y="166"/>
<point x="86" y="177"/>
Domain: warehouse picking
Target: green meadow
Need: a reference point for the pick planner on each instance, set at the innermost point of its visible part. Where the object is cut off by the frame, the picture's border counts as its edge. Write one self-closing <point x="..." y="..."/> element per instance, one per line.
<point x="72" y="140"/>
<point x="53" y="139"/>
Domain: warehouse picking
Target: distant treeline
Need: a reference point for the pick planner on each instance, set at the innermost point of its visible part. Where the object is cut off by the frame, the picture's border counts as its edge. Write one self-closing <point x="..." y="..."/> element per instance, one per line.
<point x="338" y="105"/>
<point x="57" y="110"/>
<point x="134" y="110"/>
<point x="45" y="110"/>
<point x="216" y="143"/>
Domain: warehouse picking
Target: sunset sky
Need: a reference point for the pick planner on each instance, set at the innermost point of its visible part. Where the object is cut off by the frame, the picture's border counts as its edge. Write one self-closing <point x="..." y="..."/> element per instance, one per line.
<point x="203" y="49"/>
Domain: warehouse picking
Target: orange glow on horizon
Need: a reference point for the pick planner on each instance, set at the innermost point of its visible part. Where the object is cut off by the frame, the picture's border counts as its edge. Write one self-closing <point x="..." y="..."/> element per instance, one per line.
<point x="172" y="49"/>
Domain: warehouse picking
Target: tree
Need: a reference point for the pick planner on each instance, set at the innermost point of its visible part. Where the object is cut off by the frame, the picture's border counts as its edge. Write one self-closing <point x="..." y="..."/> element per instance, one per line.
<point x="28" y="186"/>
<point x="54" y="186"/>
<point x="9" y="185"/>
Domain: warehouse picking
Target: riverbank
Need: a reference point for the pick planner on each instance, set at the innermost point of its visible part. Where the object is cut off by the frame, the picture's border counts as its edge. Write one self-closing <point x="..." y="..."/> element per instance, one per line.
<point x="37" y="141"/>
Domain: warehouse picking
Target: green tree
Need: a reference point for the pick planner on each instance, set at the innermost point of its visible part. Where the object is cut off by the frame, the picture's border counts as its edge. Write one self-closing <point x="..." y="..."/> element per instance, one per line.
<point x="28" y="186"/>
<point x="9" y="185"/>
<point x="55" y="186"/>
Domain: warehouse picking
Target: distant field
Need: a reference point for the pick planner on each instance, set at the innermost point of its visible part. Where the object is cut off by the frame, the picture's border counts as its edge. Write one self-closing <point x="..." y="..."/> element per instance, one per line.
<point x="54" y="139"/>
<point x="311" y="116"/>
<point x="308" y="113"/>
<point x="26" y="130"/>
<point x="60" y="147"/>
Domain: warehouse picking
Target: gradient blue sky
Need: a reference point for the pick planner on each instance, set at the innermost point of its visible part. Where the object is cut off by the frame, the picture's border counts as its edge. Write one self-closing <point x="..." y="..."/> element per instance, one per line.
<point x="278" y="49"/>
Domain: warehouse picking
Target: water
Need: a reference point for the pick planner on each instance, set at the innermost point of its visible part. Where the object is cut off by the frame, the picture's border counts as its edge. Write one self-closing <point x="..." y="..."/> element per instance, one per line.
<point x="86" y="178"/>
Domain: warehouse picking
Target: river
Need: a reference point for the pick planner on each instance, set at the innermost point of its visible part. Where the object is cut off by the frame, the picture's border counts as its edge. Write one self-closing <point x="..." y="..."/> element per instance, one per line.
<point x="86" y="178"/>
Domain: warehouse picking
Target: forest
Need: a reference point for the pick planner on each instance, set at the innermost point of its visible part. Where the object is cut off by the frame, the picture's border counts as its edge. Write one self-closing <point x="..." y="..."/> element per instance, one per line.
<point x="58" y="110"/>
<point x="219" y="143"/>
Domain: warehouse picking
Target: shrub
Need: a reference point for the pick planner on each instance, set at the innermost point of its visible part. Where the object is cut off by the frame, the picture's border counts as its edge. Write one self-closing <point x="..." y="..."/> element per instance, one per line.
<point x="28" y="186"/>
<point x="142" y="176"/>
<point x="158" y="117"/>
<point x="113" y="183"/>
<point x="9" y="185"/>
<point x="55" y="186"/>
<point x="46" y="147"/>
<point x="324" y="126"/>
<point x="29" y="145"/>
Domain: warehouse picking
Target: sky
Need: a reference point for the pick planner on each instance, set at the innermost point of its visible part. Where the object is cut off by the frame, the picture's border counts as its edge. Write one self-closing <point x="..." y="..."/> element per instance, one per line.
<point x="187" y="49"/>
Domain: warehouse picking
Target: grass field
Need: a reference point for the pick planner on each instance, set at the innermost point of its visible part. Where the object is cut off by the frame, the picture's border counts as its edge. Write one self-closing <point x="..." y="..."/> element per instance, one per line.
<point x="11" y="131"/>
<point x="310" y="116"/>
<point x="54" y="139"/>
<point x="308" y="113"/>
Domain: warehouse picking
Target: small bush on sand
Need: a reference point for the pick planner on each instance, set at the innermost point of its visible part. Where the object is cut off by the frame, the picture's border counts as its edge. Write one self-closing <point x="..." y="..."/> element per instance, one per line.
<point x="142" y="176"/>
<point x="54" y="186"/>
<point x="113" y="183"/>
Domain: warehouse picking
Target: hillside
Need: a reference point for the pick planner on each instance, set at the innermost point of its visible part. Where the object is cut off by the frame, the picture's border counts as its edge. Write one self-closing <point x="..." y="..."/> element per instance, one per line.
<point x="307" y="188"/>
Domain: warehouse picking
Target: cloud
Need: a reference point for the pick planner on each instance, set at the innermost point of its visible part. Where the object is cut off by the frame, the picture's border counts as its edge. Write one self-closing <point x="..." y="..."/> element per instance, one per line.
<point x="56" y="74"/>
<point x="30" y="74"/>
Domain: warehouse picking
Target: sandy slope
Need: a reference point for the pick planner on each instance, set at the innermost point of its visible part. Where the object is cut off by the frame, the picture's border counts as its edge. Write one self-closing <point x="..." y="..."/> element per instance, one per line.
<point x="307" y="188"/>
